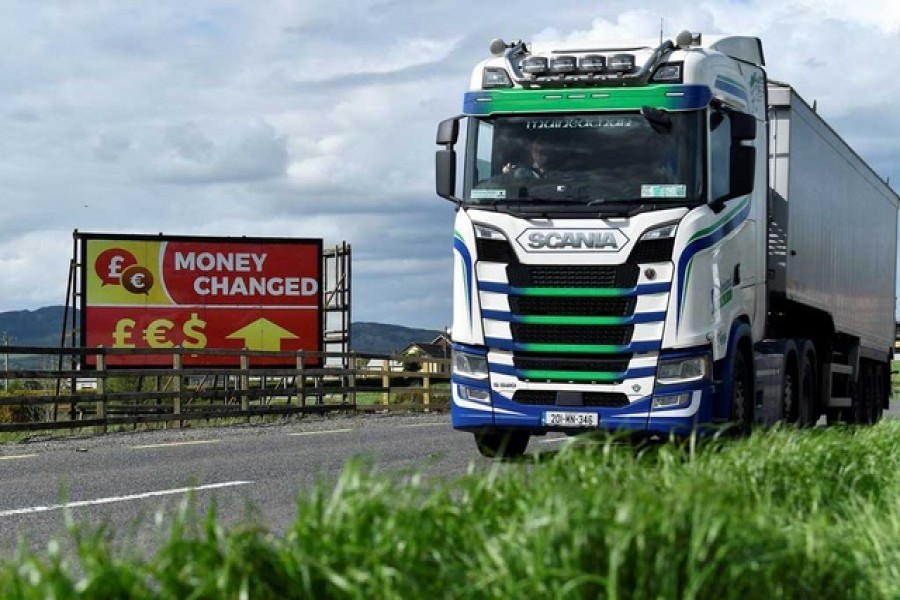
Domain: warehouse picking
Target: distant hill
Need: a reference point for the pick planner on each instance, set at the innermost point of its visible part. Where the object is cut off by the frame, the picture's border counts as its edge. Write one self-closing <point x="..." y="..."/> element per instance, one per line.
<point x="42" y="327"/>
<point x="387" y="339"/>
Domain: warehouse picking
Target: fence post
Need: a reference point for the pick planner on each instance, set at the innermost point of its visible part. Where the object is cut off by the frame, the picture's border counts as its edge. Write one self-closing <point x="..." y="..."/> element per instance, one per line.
<point x="426" y="384"/>
<point x="300" y="378"/>
<point x="177" y="363"/>
<point x="351" y="379"/>
<point x="245" y="384"/>
<point x="385" y="383"/>
<point x="100" y="412"/>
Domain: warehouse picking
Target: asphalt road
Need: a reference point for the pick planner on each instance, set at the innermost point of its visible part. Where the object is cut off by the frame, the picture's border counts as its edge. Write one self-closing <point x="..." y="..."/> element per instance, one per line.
<point x="136" y="481"/>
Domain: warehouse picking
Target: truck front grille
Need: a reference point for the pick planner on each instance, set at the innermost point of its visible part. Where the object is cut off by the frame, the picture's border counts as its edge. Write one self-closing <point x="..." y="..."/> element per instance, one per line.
<point x="572" y="307"/>
<point x="568" y="362"/>
<point x="548" y="398"/>
<point x="652" y="251"/>
<point x="618" y="335"/>
<point x="572" y="276"/>
<point x="494" y="251"/>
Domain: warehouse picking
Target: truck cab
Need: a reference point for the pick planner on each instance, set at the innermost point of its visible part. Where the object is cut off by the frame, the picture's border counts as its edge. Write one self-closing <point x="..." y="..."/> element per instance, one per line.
<point x="610" y="242"/>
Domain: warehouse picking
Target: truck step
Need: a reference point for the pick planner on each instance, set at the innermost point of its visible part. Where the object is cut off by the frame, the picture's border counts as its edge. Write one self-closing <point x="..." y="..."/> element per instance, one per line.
<point x="837" y="368"/>
<point x="840" y="402"/>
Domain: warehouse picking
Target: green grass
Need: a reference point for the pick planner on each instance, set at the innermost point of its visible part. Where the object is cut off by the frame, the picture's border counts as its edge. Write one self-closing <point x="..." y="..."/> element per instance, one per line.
<point x="782" y="514"/>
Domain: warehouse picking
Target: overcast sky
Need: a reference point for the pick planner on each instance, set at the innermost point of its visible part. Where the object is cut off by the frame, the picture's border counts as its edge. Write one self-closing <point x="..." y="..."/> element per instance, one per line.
<point x="316" y="119"/>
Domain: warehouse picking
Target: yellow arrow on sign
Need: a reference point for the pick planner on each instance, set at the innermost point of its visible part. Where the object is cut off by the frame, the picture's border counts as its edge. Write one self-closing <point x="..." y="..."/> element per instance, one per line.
<point x="262" y="334"/>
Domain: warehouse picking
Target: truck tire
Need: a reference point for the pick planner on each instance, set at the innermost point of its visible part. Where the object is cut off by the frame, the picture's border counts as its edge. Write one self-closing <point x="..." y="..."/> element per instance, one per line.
<point x="866" y="397"/>
<point x="880" y="393"/>
<point x="741" y="392"/>
<point x="807" y="386"/>
<point x="502" y="444"/>
<point x="790" y="390"/>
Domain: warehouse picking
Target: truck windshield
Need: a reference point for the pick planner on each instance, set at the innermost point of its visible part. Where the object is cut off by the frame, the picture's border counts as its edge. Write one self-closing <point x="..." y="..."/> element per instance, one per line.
<point x="589" y="159"/>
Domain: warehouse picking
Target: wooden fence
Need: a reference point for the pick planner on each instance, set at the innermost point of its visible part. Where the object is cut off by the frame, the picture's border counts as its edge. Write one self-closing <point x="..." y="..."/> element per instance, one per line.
<point x="44" y="389"/>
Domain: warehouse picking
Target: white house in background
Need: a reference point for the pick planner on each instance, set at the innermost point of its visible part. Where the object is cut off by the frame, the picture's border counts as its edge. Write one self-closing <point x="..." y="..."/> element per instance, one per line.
<point x="439" y="347"/>
<point x="86" y="384"/>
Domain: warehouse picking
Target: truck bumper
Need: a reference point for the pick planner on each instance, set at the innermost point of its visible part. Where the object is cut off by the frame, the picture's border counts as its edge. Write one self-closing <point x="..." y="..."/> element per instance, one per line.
<point x="687" y="408"/>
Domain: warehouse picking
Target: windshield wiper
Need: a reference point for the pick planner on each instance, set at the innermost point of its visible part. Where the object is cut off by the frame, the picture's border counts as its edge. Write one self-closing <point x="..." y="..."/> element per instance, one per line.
<point x="623" y="208"/>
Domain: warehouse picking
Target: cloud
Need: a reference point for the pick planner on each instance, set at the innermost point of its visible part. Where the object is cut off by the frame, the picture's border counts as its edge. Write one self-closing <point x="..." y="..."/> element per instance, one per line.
<point x="317" y="119"/>
<point x="240" y="152"/>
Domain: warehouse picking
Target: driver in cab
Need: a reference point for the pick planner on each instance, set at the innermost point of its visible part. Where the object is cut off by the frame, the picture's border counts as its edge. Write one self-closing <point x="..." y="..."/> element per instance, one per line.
<point x="535" y="167"/>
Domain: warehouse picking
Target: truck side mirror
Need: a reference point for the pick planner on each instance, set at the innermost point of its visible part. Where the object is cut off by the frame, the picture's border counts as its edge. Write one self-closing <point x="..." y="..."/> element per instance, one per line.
<point x="445" y="159"/>
<point x="743" y="169"/>
<point x="448" y="132"/>
<point x="743" y="126"/>
<point x="743" y="158"/>
<point x="445" y="174"/>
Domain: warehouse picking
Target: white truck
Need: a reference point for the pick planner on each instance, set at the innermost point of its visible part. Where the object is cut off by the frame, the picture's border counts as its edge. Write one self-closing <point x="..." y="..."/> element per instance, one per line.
<point x="656" y="239"/>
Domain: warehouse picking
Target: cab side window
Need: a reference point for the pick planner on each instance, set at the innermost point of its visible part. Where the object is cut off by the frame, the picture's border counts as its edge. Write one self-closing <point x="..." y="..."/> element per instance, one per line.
<point x="720" y="154"/>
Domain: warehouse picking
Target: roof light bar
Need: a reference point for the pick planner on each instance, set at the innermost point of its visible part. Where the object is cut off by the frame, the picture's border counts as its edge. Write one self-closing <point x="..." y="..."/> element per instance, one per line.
<point x="592" y="63"/>
<point x="535" y="65"/>
<point x="563" y="64"/>
<point x="621" y="63"/>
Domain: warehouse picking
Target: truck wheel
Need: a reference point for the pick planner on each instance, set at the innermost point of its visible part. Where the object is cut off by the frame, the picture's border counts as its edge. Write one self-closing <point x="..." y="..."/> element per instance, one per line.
<point x="790" y="392"/>
<point x="865" y="412"/>
<point x="741" y="392"/>
<point x="880" y="387"/>
<point x="806" y="397"/>
<point x="502" y="444"/>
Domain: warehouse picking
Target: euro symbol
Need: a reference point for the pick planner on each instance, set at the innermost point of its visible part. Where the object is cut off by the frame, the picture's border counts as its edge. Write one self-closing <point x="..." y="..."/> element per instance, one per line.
<point x="157" y="332"/>
<point x="137" y="280"/>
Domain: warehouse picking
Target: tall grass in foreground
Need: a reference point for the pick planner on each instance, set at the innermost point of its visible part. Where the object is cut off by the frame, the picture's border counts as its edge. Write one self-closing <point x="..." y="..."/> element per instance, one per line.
<point x="782" y="514"/>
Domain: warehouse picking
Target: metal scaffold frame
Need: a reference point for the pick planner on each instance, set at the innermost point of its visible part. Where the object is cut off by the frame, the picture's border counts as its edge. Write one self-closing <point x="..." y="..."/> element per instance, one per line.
<point x="336" y="300"/>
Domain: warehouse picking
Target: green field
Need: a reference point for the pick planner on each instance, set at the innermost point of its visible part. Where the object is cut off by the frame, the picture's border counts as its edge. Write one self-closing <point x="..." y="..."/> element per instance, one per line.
<point x="782" y="514"/>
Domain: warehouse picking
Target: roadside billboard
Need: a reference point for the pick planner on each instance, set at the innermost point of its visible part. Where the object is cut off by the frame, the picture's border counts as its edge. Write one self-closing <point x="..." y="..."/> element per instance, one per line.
<point x="200" y="292"/>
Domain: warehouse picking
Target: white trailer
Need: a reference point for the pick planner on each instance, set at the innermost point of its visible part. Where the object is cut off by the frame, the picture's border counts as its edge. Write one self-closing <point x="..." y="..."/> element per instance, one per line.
<point x="832" y="255"/>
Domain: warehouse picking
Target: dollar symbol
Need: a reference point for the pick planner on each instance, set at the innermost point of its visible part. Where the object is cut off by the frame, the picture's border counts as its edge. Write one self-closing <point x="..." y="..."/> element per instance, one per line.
<point x="156" y="333"/>
<point x="193" y="332"/>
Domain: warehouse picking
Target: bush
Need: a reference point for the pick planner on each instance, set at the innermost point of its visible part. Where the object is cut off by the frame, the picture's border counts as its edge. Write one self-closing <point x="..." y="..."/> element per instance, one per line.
<point x="21" y="413"/>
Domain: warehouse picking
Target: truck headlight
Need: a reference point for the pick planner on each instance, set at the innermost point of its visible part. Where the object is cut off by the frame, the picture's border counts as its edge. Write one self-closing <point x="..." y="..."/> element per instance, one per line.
<point x="663" y="232"/>
<point x="683" y="370"/>
<point x="469" y="365"/>
<point x="483" y="232"/>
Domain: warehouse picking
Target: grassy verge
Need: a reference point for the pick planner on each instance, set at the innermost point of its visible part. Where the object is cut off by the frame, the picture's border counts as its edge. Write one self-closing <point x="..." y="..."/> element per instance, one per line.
<point x="782" y="514"/>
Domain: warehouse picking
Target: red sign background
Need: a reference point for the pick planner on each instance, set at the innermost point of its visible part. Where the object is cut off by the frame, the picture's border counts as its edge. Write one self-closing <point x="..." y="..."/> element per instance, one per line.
<point x="204" y="293"/>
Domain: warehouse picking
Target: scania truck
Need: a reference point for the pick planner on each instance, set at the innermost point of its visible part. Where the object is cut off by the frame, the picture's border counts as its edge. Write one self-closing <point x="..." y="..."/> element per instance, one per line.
<point x="659" y="240"/>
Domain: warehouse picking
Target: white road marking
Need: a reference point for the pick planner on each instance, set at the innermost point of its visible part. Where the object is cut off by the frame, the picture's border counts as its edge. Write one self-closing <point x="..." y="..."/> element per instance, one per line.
<point x="553" y="439"/>
<point x="15" y="456"/>
<point x="173" y="444"/>
<point x="321" y="432"/>
<point x="112" y="499"/>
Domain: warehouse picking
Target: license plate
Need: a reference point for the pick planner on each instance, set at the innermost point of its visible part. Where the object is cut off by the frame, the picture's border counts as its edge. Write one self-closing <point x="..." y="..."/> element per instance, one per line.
<point x="571" y="419"/>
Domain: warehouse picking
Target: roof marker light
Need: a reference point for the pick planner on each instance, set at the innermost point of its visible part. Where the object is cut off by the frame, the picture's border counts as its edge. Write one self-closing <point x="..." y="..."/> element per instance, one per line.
<point x="495" y="77"/>
<point x="668" y="72"/>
